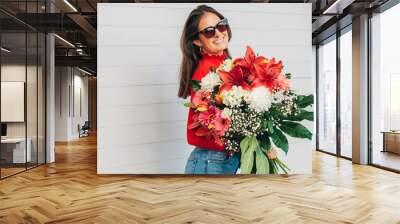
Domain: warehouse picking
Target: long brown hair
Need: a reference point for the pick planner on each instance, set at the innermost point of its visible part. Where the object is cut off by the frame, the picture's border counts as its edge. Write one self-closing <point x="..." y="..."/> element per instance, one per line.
<point x="190" y="52"/>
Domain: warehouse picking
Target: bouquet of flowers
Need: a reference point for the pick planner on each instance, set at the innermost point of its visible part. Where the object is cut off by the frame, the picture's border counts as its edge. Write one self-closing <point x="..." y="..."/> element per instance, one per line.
<point x="247" y="106"/>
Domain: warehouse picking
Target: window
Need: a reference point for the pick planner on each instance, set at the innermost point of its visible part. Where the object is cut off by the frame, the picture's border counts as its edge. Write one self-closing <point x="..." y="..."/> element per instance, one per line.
<point x="346" y="93"/>
<point x="327" y="96"/>
<point x="385" y="89"/>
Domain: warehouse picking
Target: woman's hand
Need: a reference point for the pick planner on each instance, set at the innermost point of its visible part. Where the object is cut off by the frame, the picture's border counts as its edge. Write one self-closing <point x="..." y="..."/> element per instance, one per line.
<point x="271" y="153"/>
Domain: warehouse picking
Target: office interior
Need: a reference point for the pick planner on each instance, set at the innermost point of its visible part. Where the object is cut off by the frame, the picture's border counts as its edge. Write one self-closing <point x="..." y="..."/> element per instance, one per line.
<point x="48" y="79"/>
<point x="48" y="119"/>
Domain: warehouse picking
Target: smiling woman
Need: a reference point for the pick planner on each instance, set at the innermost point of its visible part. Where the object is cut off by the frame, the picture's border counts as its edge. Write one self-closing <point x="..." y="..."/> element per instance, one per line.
<point x="144" y="127"/>
<point x="204" y="45"/>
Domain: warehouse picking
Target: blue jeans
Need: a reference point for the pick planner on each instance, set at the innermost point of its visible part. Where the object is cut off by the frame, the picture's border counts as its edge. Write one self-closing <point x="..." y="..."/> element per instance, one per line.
<point x="205" y="161"/>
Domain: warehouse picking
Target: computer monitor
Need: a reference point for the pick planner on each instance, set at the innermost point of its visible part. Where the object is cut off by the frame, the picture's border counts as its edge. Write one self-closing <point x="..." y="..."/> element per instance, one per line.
<point x="3" y="129"/>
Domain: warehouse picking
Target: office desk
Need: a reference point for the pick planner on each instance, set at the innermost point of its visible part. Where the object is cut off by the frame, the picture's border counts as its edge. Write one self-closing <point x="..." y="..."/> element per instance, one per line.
<point x="391" y="141"/>
<point x="13" y="150"/>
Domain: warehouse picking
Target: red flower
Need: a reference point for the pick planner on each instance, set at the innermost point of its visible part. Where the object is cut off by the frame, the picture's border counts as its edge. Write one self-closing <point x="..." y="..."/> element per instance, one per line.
<point x="282" y="83"/>
<point x="201" y="100"/>
<point x="221" y="125"/>
<point x="218" y="139"/>
<point x="254" y="65"/>
<point x="206" y="118"/>
<point x="269" y="75"/>
<point x="235" y="77"/>
<point x="201" y="130"/>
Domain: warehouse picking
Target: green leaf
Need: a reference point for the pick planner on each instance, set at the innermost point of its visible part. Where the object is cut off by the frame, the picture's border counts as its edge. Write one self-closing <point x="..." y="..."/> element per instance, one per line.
<point x="280" y="140"/>
<point x="246" y="162"/>
<point x="270" y="127"/>
<point x="295" y="130"/>
<point x="187" y="104"/>
<point x="288" y="75"/>
<point x="304" y="101"/>
<point x="247" y="157"/>
<point x="244" y="144"/>
<point x="195" y="84"/>
<point x="253" y="144"/>
<point x="303" y="115"/>
<point x="262" y="163"/>
<point x="265" y="143"/>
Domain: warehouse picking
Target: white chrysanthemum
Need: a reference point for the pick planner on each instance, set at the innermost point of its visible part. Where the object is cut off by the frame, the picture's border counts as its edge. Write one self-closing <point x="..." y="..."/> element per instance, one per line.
<point x="226" y="113"/>
<point x="234" y="96"/>
<point x="260" y="99"/>
<point x="226" y="65"/>
<point x="209" y="81"/>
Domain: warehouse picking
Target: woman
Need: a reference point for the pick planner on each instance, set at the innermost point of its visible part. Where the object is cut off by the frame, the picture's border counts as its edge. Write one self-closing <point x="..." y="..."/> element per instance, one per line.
<point x="204" y="44"/>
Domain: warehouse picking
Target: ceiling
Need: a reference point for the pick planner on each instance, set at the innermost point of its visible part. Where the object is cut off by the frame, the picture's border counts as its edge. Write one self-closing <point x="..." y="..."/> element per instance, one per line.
<point x="76" y="20"/>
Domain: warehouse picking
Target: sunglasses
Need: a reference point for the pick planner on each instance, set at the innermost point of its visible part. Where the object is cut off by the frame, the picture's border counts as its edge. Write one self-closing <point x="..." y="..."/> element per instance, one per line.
<point x="221" y="26"/>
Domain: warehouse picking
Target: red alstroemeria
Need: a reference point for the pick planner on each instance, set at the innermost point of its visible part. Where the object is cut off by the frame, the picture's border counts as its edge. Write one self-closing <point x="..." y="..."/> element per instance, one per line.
<point x="203" y="132"/>
<point x="218" y="98"/>
<point x="201" y="100"/>
<point x="206" y="118"/>
<point x="269" y="76"/>
<point x="235" y="77"/>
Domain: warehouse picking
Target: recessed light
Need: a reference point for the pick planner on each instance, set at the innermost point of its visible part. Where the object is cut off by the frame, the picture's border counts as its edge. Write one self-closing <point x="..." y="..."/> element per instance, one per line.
<point x="5" y="50"/>
<point x="70" y="5"/>
<point x="84" y="71"/>
<point x="64" y="40"/>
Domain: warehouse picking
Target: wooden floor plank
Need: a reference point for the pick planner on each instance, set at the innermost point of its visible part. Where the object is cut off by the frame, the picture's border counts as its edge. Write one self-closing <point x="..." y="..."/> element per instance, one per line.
<point x="70" y="191"/>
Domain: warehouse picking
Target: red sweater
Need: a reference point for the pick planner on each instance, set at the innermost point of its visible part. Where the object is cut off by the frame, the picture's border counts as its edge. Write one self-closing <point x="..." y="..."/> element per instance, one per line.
<point x="203" y="68"/>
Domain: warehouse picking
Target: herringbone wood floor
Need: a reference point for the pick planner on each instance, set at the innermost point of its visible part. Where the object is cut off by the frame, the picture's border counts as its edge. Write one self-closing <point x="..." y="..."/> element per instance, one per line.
<point x="70" y="191"/>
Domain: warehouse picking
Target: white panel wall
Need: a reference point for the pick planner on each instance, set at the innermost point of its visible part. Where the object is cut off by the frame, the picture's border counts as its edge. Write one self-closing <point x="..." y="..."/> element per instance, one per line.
<point x="141" y="121"/>
<point x="67" y="81"/>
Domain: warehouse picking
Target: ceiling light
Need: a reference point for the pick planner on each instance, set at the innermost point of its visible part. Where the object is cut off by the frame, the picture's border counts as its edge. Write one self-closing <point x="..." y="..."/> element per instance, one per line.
<point x="5" y="50"/>
<point x="337" y="7"/>
<point x="84" y="71"/>
<point x="70" y="5"/>
<point x="65" y="41"/>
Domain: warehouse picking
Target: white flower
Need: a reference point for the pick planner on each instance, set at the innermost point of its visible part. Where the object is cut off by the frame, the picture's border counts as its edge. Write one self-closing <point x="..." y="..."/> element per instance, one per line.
<point x="260" y="99"/>
<point x="278" y="97"/>
<point x="226" y="113"/>
<point x="234" y="96"/>
<point x="209" y="81"/>
<point x="226" y="65"/>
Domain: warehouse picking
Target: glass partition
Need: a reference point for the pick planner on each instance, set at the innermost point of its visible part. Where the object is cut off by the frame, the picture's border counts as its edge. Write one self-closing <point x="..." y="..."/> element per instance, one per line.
<point x="22" y="77"/>
<point x="13" y="105"/>
<point x="346" y="93"/>
<point x="327" y="96"/>
<point x="385" y="89"/>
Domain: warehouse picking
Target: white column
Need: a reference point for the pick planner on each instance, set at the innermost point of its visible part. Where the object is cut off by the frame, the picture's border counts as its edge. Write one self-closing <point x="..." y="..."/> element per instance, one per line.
<point x="360" y="90"/>
<point x="50" y="100"/>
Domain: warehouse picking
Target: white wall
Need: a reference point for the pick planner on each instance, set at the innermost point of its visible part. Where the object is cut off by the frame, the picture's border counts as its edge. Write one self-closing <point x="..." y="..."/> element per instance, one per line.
<point x="67" y="117"/>
<point x="141" y="122"/>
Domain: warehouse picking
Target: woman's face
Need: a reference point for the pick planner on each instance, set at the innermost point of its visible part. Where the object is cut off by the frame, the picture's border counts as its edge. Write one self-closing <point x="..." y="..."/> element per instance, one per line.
<point x="216" y="44"/>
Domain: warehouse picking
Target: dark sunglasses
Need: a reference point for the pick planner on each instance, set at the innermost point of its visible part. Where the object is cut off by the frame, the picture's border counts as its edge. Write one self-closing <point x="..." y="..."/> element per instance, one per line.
<point x="221" y="26"/>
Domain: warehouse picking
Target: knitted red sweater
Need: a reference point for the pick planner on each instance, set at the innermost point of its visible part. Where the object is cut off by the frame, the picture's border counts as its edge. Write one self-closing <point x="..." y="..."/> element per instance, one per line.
<point x="203" y="68"/>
